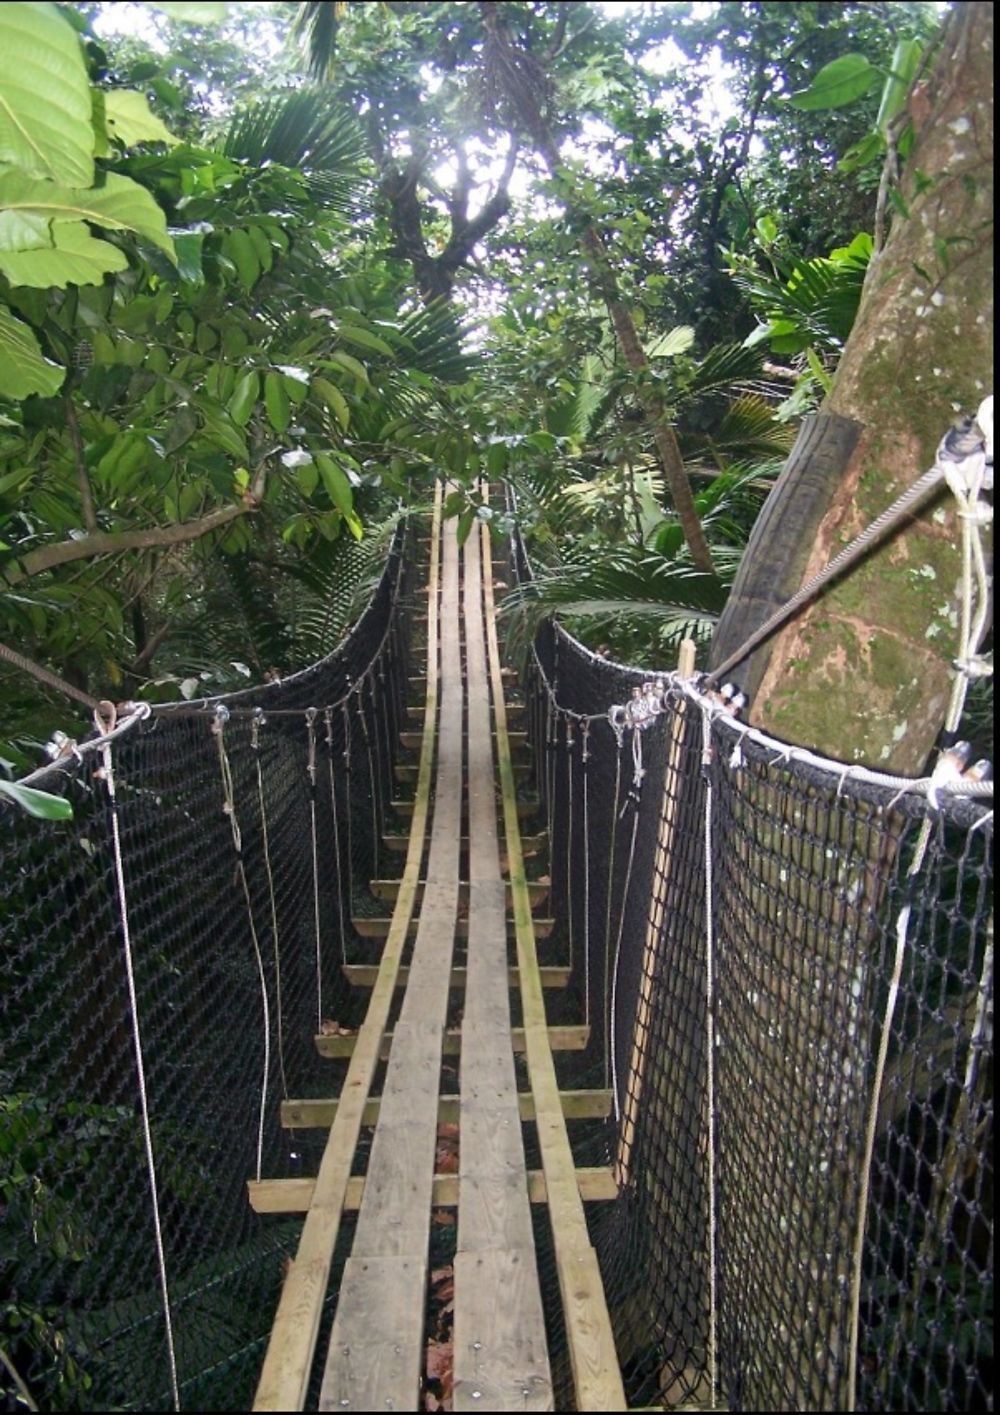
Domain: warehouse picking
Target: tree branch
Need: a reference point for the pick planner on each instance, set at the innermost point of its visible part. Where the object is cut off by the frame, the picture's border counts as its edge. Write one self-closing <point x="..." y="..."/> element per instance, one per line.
<point x="64" y="552"/>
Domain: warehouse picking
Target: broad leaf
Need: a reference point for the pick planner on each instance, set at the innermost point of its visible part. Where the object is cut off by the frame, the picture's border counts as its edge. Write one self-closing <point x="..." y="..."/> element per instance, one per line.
<point x="120" y="205"/>
<point x="675" y="341"/>
<point x="75" y="259"/>
<point x="45" y="103"/>
<point x="837" y="84"/>
<point x="192" y="12"/>
<point x="131" y="120"/>
<point x="22" y="232"/>
<point x="23" y="368"/>
<point x="37" y="803"/>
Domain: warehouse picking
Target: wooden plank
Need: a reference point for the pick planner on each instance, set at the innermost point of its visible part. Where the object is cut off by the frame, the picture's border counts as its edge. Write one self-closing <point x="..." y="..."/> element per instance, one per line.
<point x="380" y="1336"/>
<point x="364" y="975"/>
<point x="375" y="927"/>
<point x="527" y="806"/>
<point x="406" y="771"/>
<point x="288" y="1360"/>
<point x="566" y="1038"/>
<point x="388" y="890"/>
<point x="410" y="741"/>
<point x="596" y="1372"/>
<point x="501" y="1361"/>
<point x="292" y="1196"/>
<point x="531" y="845"/>
<point x="576" y="1105"/>
<point x="378" y="1301"/>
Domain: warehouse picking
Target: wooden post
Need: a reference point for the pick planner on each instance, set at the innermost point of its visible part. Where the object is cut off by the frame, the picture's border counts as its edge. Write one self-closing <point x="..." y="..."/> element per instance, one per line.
<point x="664" y="846"/>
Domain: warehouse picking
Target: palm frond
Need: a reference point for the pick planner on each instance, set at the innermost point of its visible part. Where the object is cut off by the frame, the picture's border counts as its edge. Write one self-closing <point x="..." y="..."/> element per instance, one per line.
<point x="315" y="26"/>
<point x="305" y="130"/>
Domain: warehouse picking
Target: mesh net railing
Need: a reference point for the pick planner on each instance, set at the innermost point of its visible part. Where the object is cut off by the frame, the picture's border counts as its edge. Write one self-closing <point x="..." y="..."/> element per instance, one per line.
<point x="303" y="770"/>
<point x="787" y="969"/>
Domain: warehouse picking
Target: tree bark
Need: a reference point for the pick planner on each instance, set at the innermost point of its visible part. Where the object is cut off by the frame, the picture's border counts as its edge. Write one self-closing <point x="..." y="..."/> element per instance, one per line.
<point x="864" y="673"/>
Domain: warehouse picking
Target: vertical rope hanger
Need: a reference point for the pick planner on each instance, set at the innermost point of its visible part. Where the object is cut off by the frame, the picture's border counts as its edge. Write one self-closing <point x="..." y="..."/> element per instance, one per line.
<point x="103" y="726"/>
<point x="311" y="714"/>
<point x="570" y="743"/>
<point x="713" y="1374"/>
<point x="328" y="720"/>
<point x="257" y="722"/>
<point x="584" y="764"/>
<point x="229" y="809"/>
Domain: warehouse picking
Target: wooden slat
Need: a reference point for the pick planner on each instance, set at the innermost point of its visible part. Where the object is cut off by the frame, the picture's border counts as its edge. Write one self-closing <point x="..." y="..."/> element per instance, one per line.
<point x="293" y="1196"/>
<point x="596" y="1372"/>
<point x="406" y="771"/>
<point x="313" y="1113"/>
<point x="411" y="741"/>
<point x="388" y="890"/>
<point x="379" y="1335"/>
<point x="378" y="927"/>
<point x="501" y="1362"/>
<point x="287" y="1363"/>
<point x="527" y="806"/>
<point x="568" y="1038"/>
<point x="531" y="845"/>
<point x="364" y="975"/>
<point x="376" y="1343"/>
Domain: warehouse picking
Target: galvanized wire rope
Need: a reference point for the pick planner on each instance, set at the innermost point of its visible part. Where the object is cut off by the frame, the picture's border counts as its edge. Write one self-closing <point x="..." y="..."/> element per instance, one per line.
<point x="147" y="1129"/>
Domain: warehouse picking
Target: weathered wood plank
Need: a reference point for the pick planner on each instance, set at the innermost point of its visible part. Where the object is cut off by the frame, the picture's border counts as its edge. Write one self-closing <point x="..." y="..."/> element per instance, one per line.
<point x="364" y="975"/>
<point x="288" y="1360"/>
<point x="594" y="1360"/>
<point x="411" y="741"/>
<point x="564" y="1038"/>
<point x="531" y="845"/>
<point x="378" y="1300"/>
<point x="312" y="1114"/>
<point x="407" y="771"/>
<point x="527" y="806"/>
<point x="292" y="1196"/>
<point x="501" y="1361"/>
<point x="388" y="889"/>
<point x="378" y="927"/>
<point x="379" y="1335"/>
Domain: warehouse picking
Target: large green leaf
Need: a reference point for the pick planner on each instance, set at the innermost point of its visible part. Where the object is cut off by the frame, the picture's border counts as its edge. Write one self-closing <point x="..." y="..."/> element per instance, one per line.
<point x="131" y="120"/>
<point x="45" y="103"/>
<point x="20" y="231"/>
<point x="37" y="803"/>
<point x="23" y="368"/>
<point x="837" y="84"/>
<point x="77" y="258"/>
<point x="120" y="205"/>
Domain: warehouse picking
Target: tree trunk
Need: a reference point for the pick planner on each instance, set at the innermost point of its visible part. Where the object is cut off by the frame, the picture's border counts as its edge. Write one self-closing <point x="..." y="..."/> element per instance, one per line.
<point x="863" y="674"/>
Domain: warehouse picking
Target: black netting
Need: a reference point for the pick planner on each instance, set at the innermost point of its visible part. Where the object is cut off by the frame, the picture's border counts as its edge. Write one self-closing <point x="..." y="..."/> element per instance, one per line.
<point x="81" y="1311"/>
<point x="738" y="1234"/>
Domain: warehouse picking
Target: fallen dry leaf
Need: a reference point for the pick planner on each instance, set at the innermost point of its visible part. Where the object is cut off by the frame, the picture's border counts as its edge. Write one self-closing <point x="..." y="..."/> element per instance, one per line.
<point x="328" y="1028"/>
<point x="444" y="1218"/>
<point x="440" y="1361"/>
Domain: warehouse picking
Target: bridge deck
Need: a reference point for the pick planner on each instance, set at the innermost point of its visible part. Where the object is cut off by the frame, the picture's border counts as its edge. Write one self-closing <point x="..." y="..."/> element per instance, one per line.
<point x="377" y="1344"/>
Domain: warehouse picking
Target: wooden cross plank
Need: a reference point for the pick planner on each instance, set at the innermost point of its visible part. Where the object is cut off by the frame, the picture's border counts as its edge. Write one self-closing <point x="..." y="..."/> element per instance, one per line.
<point x="572" y="1037"/>
<point x="292" y="1196"/>
<point x="364" y="975"/>
<point x="307" y="1114"/>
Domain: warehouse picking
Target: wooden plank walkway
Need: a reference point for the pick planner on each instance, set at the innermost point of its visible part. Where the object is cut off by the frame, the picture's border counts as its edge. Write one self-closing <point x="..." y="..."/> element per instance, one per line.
<point x="376" y="1350"/>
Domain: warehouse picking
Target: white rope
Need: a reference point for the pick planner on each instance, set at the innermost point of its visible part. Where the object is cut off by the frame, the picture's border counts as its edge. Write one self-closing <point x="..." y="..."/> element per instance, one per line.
<point x="584" y="759"/>
<point x="328" y="717"/>
<point x="229" y="808"/>
<point x="311" y="773"/>
<point x="161" y="1259"/>
<point x="257" y="723"/>
<point x="706" y="727"/>
<point x="608" y="901"/>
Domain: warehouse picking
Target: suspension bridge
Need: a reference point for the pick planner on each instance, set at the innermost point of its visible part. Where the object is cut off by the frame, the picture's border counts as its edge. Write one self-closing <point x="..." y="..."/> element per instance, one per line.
<point x="399" y="1036"/>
